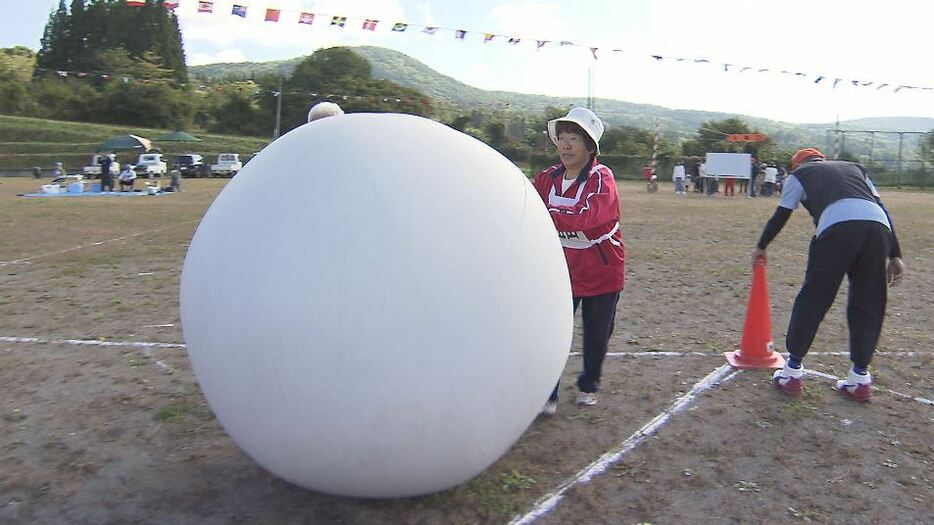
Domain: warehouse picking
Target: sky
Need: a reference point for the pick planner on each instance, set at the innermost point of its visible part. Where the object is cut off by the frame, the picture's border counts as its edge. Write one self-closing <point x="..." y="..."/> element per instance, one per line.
<point x="854" y="40"/>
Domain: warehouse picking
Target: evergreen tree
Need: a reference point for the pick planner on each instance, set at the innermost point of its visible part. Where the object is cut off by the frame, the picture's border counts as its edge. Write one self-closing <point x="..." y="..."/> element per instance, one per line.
<point x="53" y="53"/>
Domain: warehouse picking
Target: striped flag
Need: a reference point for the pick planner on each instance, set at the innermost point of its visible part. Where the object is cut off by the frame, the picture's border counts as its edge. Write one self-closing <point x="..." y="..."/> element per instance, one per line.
<point x="306" y="18"/>
<point x="370" y="25"/>
<point x="272" y="15"/>
<point x="205" y="7"/>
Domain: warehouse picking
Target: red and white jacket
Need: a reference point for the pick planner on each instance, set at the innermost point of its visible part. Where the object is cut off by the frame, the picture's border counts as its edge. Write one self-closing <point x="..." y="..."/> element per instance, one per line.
<point x="587" y="219"/>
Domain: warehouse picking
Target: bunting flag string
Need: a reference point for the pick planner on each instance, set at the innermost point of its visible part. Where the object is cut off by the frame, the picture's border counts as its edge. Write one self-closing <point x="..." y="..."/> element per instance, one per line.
<point x="370" y="24"/>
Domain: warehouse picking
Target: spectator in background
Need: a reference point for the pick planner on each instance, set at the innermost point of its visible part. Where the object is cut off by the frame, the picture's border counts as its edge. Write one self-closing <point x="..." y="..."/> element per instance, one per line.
<point x="324" y="109"/>
<point x="768" y="181"/>
<point x="753" y="173"/>
<point x="127" y="178"/>
<point x="107" y="178"/>
<point x="677" y="176"/>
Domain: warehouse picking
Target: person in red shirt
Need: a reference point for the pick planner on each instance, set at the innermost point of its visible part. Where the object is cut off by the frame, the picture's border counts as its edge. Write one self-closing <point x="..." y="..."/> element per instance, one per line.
<point x="581" y="196"/>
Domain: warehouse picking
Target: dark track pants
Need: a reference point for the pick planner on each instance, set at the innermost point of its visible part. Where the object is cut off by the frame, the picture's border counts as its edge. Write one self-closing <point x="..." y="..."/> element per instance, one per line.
<point x="859" y="250"/>
<point x="598" y="314"/>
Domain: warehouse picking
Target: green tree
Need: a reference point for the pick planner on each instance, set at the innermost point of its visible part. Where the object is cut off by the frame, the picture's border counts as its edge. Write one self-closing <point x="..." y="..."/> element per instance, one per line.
<point x="53" y="53"/>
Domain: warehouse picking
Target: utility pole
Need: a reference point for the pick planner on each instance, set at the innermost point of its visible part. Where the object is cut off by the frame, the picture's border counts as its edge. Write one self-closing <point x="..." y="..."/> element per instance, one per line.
<point x="591" y="100"/>
<point x="275" y="133"/>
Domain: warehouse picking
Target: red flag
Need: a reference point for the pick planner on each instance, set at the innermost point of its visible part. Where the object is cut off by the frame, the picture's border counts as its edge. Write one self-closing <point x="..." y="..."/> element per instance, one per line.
<point x="306" y="18"/>
<point x="205" y="7"/>
<point x="133" y="3"/>
<point x="272" y="15"/>
<point x="370" y="25"/>
<point x="170" y="5"/>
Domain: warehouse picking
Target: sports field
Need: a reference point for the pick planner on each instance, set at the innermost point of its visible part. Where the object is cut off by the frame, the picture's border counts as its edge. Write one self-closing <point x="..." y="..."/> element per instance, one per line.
<point x="102" y="421"/>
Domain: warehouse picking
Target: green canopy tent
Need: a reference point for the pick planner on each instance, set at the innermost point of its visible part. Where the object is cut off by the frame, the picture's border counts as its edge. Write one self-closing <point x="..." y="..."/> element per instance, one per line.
<point x="178" y="136"/>
<point x="126" y="143"/>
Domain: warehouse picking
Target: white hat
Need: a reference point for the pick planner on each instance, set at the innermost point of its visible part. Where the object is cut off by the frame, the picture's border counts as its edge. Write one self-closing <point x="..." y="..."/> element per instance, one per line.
<point x="583" y="117"/>
<point x="324" y="109"/>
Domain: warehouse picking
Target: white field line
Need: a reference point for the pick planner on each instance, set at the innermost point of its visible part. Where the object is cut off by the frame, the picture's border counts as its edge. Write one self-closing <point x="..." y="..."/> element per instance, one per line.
<point x="88" y="342"/>
<point x="720" y="355"/>
<point x="28" y="260"/>
<point x="875" y="387"/>
<point x="147" y="346"/>
<point x="548" y="502"/>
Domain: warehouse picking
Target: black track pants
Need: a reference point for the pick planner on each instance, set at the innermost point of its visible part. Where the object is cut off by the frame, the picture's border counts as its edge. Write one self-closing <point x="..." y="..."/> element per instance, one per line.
<point x="859" y="250"/>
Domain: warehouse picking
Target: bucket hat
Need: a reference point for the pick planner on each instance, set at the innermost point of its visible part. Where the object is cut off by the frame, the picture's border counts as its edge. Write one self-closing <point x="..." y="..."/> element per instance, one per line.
<point x="583" y="117"/>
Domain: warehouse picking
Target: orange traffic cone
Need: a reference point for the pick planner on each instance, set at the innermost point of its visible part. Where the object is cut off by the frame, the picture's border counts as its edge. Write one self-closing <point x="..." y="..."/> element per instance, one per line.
<point x="756" y="350"/>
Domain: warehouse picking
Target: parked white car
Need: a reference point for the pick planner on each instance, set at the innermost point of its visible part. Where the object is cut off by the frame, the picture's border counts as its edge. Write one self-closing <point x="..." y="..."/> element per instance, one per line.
<point x="94" y="168"/>
<point x="151" y="164"/>
<point x="228" y="164"/>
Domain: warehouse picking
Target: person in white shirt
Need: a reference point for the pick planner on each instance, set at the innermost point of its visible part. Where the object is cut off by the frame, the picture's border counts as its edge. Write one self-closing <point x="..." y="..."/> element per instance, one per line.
<point x="127" y="178"/>
<point x="678" y="176"/>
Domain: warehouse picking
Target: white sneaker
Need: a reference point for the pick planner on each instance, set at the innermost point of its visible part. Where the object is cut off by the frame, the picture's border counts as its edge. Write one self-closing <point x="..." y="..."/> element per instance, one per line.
<point x="788" y="380"/>
<point x="586" y="399"/>
<point x="857" y="386"/>
<point x="550" y="408"/>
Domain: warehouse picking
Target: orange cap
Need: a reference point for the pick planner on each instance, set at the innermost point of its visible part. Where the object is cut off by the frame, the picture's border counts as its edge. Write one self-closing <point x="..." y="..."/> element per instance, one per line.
<point x="803" y="154"/>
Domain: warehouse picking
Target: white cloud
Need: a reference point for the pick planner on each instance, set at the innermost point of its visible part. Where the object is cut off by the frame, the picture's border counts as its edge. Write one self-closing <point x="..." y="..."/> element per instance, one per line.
<point x="225" y="56"/>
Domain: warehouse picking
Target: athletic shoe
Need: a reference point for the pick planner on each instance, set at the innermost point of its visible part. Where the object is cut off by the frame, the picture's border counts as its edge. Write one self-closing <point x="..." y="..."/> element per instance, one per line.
<point x="586" y="399"/>
<point x="856" y="386"/>
<point x="550" y="408"/>
<point x="789" y="380"/>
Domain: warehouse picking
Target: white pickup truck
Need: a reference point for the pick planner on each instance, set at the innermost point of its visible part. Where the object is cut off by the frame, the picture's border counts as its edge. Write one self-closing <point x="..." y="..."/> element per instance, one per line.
<point x="94" y="168"/>
<point x="228" y="164"/>
<point x="151" y="164"/>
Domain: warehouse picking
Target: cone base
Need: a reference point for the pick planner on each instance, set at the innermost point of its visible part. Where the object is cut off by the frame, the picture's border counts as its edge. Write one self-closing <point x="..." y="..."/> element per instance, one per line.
<point x="744" y="362"/>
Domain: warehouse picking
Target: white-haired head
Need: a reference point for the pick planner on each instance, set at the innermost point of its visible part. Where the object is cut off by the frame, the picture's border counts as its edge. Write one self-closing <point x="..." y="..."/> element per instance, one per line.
<point x="324" y="109"/>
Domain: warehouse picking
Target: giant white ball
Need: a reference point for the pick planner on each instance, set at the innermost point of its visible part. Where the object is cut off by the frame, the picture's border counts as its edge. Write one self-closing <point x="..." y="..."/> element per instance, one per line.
<point x="377" y="305"/>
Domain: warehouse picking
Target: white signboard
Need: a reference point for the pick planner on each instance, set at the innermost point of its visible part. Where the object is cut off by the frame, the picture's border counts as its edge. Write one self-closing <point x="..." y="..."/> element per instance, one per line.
<point x="735" y="165"/>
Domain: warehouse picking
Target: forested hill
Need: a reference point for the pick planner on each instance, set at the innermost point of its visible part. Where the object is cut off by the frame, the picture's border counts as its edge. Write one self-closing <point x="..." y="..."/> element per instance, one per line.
<point x="404" y="70"/>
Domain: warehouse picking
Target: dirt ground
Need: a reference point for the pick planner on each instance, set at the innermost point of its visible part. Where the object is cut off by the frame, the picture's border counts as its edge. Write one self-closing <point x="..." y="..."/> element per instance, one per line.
<point x="122" y="434"/>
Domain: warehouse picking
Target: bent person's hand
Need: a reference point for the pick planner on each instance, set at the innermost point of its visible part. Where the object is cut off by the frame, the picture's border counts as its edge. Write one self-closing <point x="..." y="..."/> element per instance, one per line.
<point x="895" y="271"/>
<point x="757" y="254"/>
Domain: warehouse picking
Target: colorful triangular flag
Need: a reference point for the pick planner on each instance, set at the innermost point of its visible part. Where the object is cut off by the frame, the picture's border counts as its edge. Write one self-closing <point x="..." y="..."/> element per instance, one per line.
<point x="540" y="43"/>
<point x="513" y="40"/>
<point x="593" y="51"/>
